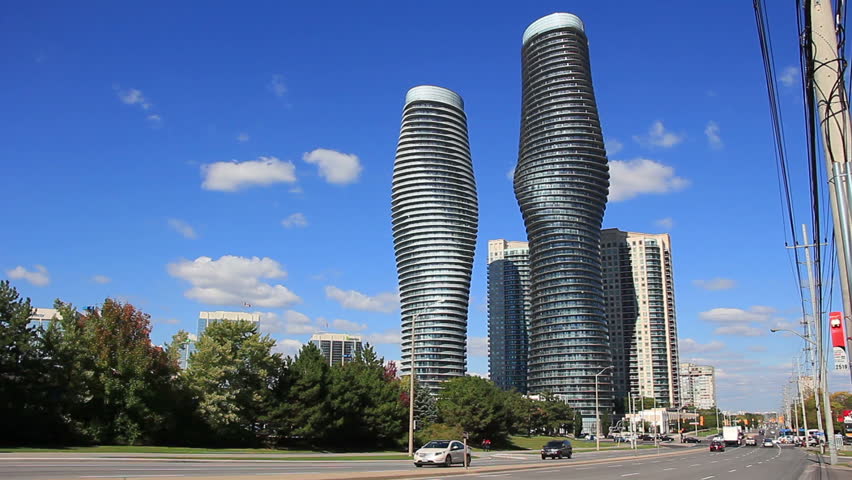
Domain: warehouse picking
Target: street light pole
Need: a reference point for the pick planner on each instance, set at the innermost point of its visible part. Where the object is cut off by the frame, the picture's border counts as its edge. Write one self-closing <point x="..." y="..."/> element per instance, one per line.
<point x="411" y="379"/>
<point x="597" y="412"/>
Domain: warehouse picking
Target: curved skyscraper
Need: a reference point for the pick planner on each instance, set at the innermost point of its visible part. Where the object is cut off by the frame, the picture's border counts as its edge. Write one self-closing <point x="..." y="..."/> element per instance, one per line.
<point x="434" y="213"/>
<point x="561" y="183"/>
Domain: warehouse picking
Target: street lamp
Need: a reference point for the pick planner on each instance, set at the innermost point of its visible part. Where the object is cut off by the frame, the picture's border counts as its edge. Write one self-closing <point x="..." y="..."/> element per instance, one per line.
<point x="823" y="384"/>
<point x="411" y="377"/>
<point x="597" y="411"/>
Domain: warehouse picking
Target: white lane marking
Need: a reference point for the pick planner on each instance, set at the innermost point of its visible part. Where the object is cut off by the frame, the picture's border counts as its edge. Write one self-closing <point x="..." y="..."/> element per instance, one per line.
<point x="695" y="465"/>
<point x="113" y="476"/>
<point x="715" y="461"/>
<point x="495" y="475"/>
<point x="667" y="469"/>
<point x="732" y="471"/>
<point x="614" y="466"/>
<point x="629" y="474"/>
<point x="583" y="468"/>
<point x="748" y="466"/>
<point x="708" y="478"/>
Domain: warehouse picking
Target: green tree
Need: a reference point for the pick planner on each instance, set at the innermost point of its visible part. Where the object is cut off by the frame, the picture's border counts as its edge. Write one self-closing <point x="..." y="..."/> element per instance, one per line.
<point x="20" y="368"/>
<point x="306" y="413"/>
<point x="606" y="422"/>
<point x="477" y="406"/>
<point x="234" y="373"/>
<point x="578" y="423"/>
<point x="425" y="404"/>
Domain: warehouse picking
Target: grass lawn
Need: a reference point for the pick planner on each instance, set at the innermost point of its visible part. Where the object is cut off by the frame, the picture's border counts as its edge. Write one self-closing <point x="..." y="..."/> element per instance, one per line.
<point x="536" y="442"/>
<point x="328" y="458"/>
<point x="165" y="450"/>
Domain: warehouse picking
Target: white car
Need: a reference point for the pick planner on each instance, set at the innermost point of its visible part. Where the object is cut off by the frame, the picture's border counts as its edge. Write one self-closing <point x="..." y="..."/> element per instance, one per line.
<point x="441" y="452"/>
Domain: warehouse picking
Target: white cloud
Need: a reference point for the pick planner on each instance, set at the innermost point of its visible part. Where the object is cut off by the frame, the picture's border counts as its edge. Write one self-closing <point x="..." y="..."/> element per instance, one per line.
<point x="477" y="346"/>
<point x="789" y="76"/>
<point x="295" y="220"/>
<point x="243" y="137"/>
<point x="388" y="337"/>
<point x="716" y="284"/>
<point x="182" y="228"/>
<point x="277" y="86"/>
<point x="233" y="280"/>
<point x="233" y="176"/>
<point x="511" y="174"/>
<point x="639" y="176"/>
<point x="383" y="302"/>
<point x="756" y="313"/>
<point x="154" y="119"/>
<point x="666" y="223"/>
<point x="348" y="326"/>
<point x="741" y="330"/>
<point x="688" y="345"/>
<point x="134" y="97"/>
<point x="290" y="323"/>
<point x="335" y="167"/>
<point x="38" y="277"/>
<point x="613" y="147"/>
<point x="659" y="137"/>
<point x="101" y="279"/>
<point x="287" y="347"/>
<point x="712" y="132"/>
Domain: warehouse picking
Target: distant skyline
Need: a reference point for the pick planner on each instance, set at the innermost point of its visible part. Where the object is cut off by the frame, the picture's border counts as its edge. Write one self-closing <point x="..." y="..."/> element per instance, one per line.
<point x="199" y="157"/>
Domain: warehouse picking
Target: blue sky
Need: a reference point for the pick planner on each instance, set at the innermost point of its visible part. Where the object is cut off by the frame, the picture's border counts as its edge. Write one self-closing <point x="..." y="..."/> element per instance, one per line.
<point x="197" y="156"/>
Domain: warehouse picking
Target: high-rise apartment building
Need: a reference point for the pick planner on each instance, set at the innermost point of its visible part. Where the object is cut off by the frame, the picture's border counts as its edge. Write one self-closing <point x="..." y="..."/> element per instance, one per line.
<point x="337" y="348"/>
<point x="640" y="309"/>
<point x="435" y="215"/>
<point x="561" y="183"/>
<point x="508" y="313"/>
<point x="206" y="318"/>
<point x="698" y="385"/>
<point x="186" y="350"/>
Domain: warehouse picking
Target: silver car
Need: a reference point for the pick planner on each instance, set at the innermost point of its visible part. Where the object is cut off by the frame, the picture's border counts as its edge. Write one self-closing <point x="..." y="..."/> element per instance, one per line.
<point x="441" y="452"/>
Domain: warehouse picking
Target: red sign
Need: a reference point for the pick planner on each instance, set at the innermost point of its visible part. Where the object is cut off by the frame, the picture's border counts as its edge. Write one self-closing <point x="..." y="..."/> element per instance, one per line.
<point x="837" y="327"/>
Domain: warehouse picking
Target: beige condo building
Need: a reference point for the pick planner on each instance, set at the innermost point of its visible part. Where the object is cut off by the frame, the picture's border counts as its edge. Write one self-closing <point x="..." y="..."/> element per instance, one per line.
<point x="698" y="385"/>
<point x="640" y="310"/>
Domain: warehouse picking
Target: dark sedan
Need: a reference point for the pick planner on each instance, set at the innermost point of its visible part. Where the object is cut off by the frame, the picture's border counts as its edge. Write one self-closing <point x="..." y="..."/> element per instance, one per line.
<point x="691" y="440"/>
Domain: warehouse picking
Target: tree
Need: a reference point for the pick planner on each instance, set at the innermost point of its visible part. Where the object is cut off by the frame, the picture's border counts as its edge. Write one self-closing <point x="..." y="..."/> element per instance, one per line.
<point x="578" y="423"/>
<point x="606" y="422"/>
<point x="20" y="372"/>
<point x="425" y="405"/>
<point x="233" y="373"/>
<point x="477" y="406"/>
<point x="307" y="411"/>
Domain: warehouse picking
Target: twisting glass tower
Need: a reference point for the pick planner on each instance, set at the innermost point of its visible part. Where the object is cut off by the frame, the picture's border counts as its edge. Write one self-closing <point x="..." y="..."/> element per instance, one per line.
<point x="434" y="213"/>
<point x="561" y="183"/>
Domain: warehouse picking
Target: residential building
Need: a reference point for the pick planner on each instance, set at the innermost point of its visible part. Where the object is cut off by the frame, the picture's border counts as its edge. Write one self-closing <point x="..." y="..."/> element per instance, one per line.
<point x="41" y="318"/>
<point x="434" y="213"/>
<point x="508" y="313"/>
<point x="337" y="348"/>
<point x="561" y="184"/>
<point x="206" y="318"/>
<point x="640" y="310"/>
<point x="698" y="385"/>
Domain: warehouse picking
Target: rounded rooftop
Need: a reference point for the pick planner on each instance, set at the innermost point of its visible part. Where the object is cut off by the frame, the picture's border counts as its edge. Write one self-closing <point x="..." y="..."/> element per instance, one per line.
<point x="552" y="22"/>
<point x="434" y="94"/>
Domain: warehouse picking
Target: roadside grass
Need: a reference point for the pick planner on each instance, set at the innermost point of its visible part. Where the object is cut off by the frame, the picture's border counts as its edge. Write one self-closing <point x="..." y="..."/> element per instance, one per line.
<point x="535" y="443"/>
<point x="169" y="450"/>
<point x="328" y="458"/>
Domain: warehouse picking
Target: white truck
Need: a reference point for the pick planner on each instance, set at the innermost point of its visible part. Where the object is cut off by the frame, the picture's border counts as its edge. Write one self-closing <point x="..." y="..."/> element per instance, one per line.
<point x="732" y="436"/>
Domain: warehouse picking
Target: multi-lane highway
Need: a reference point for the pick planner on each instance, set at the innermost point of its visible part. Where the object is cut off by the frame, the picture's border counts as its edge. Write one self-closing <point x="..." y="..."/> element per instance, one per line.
<point x="752" y="463"/>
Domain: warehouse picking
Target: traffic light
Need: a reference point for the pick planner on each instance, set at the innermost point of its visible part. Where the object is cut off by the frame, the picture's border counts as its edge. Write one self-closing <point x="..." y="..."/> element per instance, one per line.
<point x="746" y="421"/>
<point x="701" y="420"/>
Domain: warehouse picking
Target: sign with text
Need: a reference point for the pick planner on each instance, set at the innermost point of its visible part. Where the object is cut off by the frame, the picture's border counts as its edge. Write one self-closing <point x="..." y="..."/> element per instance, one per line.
<point x="841" y="361"/>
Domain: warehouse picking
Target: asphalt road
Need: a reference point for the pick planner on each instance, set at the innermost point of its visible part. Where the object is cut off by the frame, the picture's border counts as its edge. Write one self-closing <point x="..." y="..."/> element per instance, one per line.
<point x="752" y="463"/>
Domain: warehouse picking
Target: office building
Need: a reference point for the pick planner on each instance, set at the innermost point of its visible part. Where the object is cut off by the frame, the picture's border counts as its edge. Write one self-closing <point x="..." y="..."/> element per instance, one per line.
<point x="698" y="385"/>
<point x="41" y="318"/>
<point x="337" y="348"/>
<point x="434" y="215"/>
<point x="561" y="184"/>
<point x="206" y="318"/>
<point x="508" y="313"/>
<point x="186" y="351"/>
<point x="640" y="309"/>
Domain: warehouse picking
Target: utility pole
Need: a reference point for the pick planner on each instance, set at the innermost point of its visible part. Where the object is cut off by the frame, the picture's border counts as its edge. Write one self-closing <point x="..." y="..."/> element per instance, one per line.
<point x="816" y="318"/>
<point x="833" y="110"/>
<point x="802" y="400"/>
